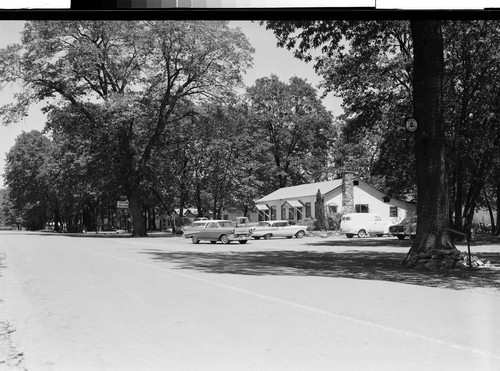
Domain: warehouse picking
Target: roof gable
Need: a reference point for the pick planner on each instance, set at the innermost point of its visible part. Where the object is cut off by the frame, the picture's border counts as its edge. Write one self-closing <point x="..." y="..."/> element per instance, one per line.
<point x="302" y="190"/>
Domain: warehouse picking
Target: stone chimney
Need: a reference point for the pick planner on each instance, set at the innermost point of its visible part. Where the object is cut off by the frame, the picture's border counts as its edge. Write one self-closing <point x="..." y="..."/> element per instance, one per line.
<point x="347" y="192"/>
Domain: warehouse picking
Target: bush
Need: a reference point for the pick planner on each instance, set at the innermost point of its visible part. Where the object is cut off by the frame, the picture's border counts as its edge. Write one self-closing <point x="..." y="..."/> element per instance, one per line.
<point x="334" y="222"/>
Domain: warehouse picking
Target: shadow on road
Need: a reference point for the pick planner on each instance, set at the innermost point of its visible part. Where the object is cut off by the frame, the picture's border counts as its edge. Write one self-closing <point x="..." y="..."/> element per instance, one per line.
<point x="360" y="242"/>
<point x="367" y="265"/>
<point x="479" y="240"/>
<point x="89" y="234"/>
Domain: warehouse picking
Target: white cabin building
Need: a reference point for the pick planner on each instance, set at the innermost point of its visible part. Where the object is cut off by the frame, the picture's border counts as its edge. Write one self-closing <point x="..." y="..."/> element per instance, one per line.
<point x="349" y="194"/>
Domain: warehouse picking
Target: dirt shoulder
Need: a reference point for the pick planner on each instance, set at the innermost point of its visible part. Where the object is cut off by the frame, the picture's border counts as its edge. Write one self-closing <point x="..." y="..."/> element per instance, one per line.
<point x="11" y="359"/>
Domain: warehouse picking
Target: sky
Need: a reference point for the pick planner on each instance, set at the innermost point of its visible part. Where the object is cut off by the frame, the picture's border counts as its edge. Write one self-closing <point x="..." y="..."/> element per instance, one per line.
<point x="268" y="59"/>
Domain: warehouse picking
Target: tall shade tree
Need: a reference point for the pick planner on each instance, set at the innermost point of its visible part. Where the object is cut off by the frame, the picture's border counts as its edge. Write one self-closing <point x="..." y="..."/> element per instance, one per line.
<point x="28" y="177"/>
<point x="305" y="36"/>
<point x="471" y="93"/>
<point x="428" y="107"/>
<point x="369" y="65"/>
<point x="293" y="120"/>
<point x="132" y="80"/>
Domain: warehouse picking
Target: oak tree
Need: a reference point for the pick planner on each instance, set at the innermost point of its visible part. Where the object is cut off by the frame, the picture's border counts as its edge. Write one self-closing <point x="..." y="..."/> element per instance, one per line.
<point x="132" y="80"/>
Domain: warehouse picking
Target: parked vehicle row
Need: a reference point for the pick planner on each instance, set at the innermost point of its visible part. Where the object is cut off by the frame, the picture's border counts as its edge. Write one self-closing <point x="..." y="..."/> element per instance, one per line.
<point x="353" y="224"/>
<point x="225" y="232"/>
<point x="367" y="224"/>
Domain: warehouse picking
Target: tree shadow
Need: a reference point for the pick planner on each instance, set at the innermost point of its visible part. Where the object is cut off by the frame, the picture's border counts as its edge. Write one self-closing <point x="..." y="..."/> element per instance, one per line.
<point x="360" y="242"/>
<point x="92" y="234"/>
<point x="367" y="265"/>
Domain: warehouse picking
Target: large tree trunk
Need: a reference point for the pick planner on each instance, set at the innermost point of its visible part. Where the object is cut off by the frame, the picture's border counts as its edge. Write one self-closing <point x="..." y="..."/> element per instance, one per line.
<point x="138" y="226"/>
<point x="490" y="211"/>
<point x="497" y="231"/>
<point x="458" y="195"/>
<point x="432" y="189"/>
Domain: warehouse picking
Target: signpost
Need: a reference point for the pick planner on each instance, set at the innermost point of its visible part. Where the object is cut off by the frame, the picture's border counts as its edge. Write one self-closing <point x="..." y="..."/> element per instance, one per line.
<point x="122" y="204"/>
<point x="411" y="125"/>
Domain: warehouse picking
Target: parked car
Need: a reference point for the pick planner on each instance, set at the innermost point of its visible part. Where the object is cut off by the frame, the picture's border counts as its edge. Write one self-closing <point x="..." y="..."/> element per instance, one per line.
<point x="363" y="224"/>
<point x="278" y="228"/>
<point x="482" y="228"/>
<point x="216" y="230"/>
<point x="407" y="227"/>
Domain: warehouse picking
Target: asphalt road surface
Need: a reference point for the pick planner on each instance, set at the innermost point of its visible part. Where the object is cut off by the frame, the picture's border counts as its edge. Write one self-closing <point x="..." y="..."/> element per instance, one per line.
<point x="81" y="303"/>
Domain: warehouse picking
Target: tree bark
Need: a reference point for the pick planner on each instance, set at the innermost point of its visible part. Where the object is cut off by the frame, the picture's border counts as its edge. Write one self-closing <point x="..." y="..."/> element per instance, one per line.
<point x="490" y="211"/>
<point x="135" y="204"/>
<point x="432" y="188"/>
<point x="458" y="195"/>
<point x="497" y="231"/>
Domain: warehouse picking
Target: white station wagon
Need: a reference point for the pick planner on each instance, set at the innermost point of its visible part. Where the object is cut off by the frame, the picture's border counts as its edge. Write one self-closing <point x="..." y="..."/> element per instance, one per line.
<point x="278" y="228"/>
<point x="363" y="224"/>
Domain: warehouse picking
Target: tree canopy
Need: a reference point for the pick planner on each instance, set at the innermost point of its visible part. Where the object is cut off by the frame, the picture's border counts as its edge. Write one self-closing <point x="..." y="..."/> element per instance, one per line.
<point x="370" y="64"/>
<point x="125" y="84"/>
<point x="292" y="119"/>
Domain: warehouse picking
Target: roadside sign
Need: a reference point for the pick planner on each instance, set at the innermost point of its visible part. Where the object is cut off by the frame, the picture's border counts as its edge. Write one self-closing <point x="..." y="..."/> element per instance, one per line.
<point x="122" y="204"/>
<point x="411" y="125"/>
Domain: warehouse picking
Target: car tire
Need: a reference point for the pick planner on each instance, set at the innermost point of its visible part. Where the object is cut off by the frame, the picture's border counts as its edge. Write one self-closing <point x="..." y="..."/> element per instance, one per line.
<point x="195" y="239"/>
<point x="224" y="239"/>
<point x="267" y="236"/>
<point x="289" y="236"/>
<point x="213" y="241"/>
<point x="362" y="233"/>
<point x="243" y="241"/>
<point x="257" y="238"/>
<point x="380" y="235"/>
<point x="348" y="235"/>
<point x="400" y="237"/>
<point x="300" y="234"/>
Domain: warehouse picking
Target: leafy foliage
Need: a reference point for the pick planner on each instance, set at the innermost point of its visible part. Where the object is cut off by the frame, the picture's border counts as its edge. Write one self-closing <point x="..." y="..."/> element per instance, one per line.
<point x="298" y="129"/>
<point x="370" y="65"/>
<point x="27" y="175"/>
<point x="126" y="84"/>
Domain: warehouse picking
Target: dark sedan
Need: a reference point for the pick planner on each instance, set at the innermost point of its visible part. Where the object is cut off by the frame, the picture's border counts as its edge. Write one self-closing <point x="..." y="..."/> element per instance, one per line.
<point x="407" y="227"/>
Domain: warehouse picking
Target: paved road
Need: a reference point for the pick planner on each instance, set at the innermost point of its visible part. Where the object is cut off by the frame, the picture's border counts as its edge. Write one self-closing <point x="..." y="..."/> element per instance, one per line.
<point x="166" y="304"/>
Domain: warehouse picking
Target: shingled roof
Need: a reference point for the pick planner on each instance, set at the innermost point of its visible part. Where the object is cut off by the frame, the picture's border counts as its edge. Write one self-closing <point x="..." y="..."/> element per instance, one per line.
<point x="302" y="190"/>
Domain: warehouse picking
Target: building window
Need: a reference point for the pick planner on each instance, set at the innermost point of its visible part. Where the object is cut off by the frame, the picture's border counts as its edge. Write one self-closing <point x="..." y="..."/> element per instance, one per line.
<point x="361" y="208"/>
<point x="263" y="215"/>
<point x="299" y="213"/>
<point x="273" y="212"/>
<point x="308" y="209"/>
<point x="393" y="211"/>
<point x="332" y="209"/>
<point x="291" y="214"/>
<point x="283" y="212"/>
<point x="356" y="182"/>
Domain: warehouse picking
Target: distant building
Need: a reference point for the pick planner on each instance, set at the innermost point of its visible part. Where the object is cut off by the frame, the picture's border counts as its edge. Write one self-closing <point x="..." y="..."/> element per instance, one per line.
<point x="232" y="213"/>
<point x="349" y="194"/>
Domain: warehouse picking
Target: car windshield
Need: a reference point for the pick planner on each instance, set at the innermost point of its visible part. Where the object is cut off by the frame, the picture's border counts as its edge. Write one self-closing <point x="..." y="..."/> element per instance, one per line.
<point x="263" y="224"/>
<point x="199" y="224"/>
<point x="225" y="224"/>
